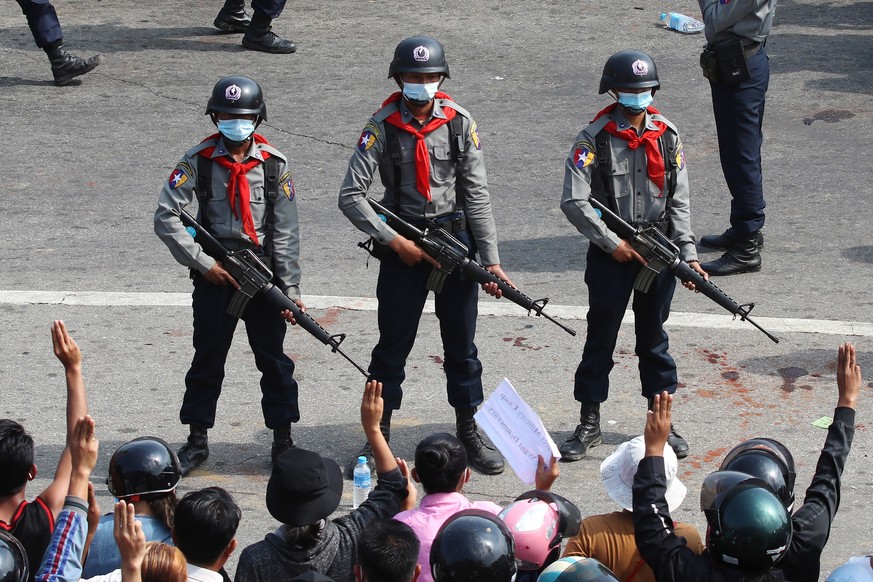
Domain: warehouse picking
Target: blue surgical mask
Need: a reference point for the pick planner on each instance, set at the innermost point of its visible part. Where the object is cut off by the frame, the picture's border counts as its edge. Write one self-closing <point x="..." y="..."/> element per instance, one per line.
<point x="635" y="102"/>
<point x="237" y="130"/>
<point x="420" y="93"/>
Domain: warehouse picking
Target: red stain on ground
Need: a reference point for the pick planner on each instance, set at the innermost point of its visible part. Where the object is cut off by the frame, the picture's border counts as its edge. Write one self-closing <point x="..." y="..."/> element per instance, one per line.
<point x="519" y="343"/>
<point x="436" y="359"/>
<point x="330" y="316"/>
<point x="790" y="376"/>
<point x="705" y="393"/>
<point x="714" y="456"/>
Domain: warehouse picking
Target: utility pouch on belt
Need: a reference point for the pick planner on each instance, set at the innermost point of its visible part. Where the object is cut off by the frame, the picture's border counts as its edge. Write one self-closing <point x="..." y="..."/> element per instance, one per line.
<point x="709" y="64"/>
<point x="732" y="63"/>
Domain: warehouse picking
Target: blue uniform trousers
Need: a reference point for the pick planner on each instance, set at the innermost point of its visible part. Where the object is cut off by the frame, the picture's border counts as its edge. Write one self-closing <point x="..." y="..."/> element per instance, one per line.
<point x="272" y="8"/>
<point x="43" y="21"/>
<point x="401" y="293"/>
<point x="610" y="285"/>
<point x="213" y="334"/>
<point x="739" y="115"/>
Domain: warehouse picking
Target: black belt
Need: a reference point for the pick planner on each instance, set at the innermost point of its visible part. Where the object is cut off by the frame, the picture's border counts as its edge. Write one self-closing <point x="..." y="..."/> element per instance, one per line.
<point x="749" y="47"/>
<point x="452" y="223"/>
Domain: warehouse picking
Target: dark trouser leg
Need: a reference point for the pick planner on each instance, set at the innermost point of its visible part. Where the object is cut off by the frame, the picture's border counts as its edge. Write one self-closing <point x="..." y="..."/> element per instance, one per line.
<point x="259" y="35"/>
<point x="457" y="307"/>
<point x="609" y="287"/>
<point x="266" y="329"/>
<point x="269" y="8"/>
<point x="651" y="310"/>
<point x="213" y="334"/>
<point x="42" y="20"/>
<point x="739" y="115"/>
<point x="401" y="293"/>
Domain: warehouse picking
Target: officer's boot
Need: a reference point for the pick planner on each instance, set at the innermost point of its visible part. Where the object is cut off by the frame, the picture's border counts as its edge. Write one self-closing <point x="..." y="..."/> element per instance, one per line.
<point x="65" y="66"/>
<point x="481" y="454"/>
<point x="195" y="451"/>
<point x="744" y="257"/>
<point x="587" y="434"/>
<point x="728" y="240"/>
<point x="282" y="441"/>
<point x="367" y="450"/>
<point x="233" y="17"/>
<point x="260" y="37"/>
<point x="674" y="439"/>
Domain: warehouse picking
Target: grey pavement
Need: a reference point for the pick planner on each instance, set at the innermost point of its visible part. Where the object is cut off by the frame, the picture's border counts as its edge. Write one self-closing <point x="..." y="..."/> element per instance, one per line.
<point x="82" y="167"/>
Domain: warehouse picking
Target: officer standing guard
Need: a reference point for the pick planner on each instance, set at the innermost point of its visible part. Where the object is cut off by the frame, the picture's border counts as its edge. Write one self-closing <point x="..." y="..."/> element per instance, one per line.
<point x="247" y="200"/>
<point x="429" y="157"/>
<point x="630" y="158"/>
<point x="259" y="35"/>
<point x="738" y="69"/>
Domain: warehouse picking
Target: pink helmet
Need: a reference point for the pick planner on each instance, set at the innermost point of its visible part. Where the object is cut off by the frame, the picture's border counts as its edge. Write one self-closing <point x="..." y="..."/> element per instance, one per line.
<point x="539" y="520"/>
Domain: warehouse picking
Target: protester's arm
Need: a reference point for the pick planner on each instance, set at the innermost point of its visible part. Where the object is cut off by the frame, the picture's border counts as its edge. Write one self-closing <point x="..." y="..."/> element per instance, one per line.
<point x="411" y="490"/>
<point x="131" y="541"/>
<point x="372" y="407"/>
<point x="546" y="474"/>
<point x="93" y="520"/>
<point x="812" y="522"/>
<point x="69" y="354"/>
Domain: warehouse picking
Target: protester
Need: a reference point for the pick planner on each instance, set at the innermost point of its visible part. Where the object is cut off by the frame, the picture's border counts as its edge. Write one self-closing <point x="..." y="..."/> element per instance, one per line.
<point x="473" y="545"/>
<point x="388" y="552"/>
<point x="204" y="529"/>
<point x="32" y="522"/>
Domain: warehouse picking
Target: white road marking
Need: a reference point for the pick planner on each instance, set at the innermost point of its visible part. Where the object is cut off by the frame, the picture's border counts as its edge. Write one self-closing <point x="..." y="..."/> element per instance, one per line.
<point x="774" y="325"/>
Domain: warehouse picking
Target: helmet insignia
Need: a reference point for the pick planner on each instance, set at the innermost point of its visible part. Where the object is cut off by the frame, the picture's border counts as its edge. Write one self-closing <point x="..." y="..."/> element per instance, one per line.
<point x="640" y="68"/>
<point x="421" y="54"/>
<point x="233" y="93"/>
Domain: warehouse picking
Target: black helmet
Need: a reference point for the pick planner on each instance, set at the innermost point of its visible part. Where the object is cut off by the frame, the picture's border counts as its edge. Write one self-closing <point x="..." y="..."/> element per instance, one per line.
<point x="766" y="459"/>
<point x="142" y="466"/>
<point x="473" y="546"/>
<point x="748" y="527"/>
<point x="419" y="54"/>
<point x="630" y="70"/>
<point x="13" y="559"/>
<point x="239" y="95"/>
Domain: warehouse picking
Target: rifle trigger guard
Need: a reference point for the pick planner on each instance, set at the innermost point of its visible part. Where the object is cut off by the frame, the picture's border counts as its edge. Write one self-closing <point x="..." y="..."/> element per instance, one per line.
<point x="335" y="340"/>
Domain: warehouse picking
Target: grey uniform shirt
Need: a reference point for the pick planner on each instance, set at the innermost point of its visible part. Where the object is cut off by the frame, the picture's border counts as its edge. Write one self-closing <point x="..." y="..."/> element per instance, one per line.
<point x="178" y="192"/>
<point x="748" y="19"/>
<point x="638" y="198"/>
<point x="372" y="152"/>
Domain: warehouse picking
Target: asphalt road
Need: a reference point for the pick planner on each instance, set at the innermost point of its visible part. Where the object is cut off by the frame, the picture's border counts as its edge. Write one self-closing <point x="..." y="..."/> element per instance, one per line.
<point x="82" y="166"/>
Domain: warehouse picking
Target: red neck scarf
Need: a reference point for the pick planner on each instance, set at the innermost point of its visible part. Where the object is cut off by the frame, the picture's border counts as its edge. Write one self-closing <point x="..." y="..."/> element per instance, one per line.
<point x="238" y="184"/>
<point x="422" y="159"/>
<point x="654" y="157"/>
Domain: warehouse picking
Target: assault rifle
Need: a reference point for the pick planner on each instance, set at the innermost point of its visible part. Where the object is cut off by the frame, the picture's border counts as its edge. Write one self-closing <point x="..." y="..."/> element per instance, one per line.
<point x="451" y="254"/>
<point x="660" y="252"/>
<point x="255" y="277"/>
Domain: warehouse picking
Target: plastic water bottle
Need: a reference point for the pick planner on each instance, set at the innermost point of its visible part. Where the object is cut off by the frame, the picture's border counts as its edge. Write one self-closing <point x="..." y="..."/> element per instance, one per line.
<point x="681" y="22"/>
<point x="361" y="489"/>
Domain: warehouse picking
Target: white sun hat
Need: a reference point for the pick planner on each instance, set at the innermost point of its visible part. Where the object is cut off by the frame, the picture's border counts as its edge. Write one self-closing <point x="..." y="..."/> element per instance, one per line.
<point x="618" y="469"/>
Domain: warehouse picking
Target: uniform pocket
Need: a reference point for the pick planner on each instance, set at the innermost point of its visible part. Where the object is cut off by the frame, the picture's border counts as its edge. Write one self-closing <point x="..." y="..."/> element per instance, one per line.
<point x="621" y="184"/>
<point x="442" y="165"/>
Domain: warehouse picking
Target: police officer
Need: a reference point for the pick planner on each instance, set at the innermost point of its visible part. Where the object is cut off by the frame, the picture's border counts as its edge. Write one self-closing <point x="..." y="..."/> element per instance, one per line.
<point x="258" y="33"/>
<point x="46" y="31"/>
<point x="429" y="156"/>
<point x="247" y="200"/>
<point x="736" y="33"/>
<point x="631" y="159"/>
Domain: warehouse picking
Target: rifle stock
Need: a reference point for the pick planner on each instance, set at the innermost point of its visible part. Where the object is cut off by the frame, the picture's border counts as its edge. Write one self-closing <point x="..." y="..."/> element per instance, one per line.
<point x="255" y="277"/>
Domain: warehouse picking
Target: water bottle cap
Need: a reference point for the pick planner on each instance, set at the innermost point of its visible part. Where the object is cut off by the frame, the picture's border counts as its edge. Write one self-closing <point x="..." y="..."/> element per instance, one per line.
<point x="362" y="460"/>
<point x="663" y="16"/>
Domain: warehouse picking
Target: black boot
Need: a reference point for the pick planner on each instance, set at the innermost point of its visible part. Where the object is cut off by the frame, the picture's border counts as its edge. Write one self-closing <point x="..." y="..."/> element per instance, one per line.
<point x="259" y="37"/>
<point x="745" y="257"/>
<point x="729" y="240"/>
<point x="367" y="450"/>
<point x="586" y="436"/>
<point x="195" y="451"/>
<point x="233" y="17"/>
<point x="481" y="454"/>
<point x="65" y="67"/>
<point x="282" y="441"/>
<point x="674" y="439"/>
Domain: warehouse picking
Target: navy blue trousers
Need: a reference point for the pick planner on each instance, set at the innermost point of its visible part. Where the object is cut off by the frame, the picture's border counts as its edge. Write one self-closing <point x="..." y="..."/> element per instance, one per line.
<point x="43" y="21"/>
<point x="272" y="8"/>
<point x="401" y="293"/>
<point x="213" y="334"/>
<point x="610" y="285"/>
<point x="739" y="115"/>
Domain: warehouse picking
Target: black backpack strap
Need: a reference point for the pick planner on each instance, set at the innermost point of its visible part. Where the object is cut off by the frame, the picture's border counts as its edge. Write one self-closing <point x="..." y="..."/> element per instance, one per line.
<point x="271" y="191"/>
<point x="457" y="146"/>
<point x="392" y="139"/>
<point x="670" y="150"/>
<point x="204" y="188"/>
<point x="604" y="167"/>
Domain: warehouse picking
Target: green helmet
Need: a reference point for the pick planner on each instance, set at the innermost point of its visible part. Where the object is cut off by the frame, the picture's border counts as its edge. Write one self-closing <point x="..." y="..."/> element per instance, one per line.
<point x="748" y="526"/>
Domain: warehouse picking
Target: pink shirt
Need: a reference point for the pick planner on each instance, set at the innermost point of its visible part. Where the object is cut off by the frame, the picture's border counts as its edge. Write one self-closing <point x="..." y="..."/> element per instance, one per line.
<point x="430" y="515"/>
